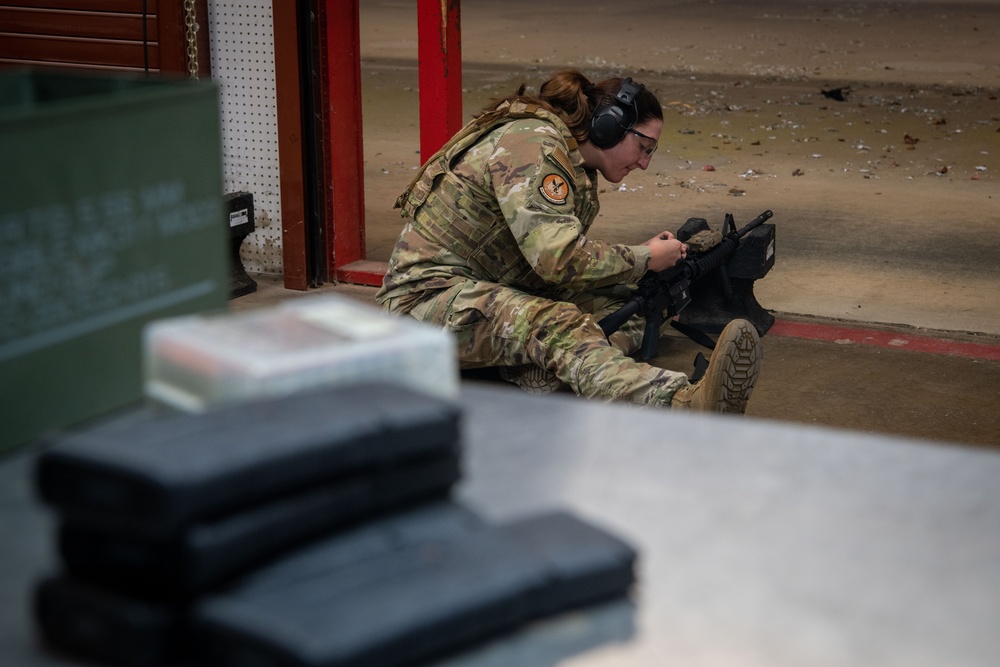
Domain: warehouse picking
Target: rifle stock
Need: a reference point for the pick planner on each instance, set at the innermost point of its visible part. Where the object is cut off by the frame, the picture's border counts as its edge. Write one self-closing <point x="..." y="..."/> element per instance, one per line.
<point x="615" y="320"/>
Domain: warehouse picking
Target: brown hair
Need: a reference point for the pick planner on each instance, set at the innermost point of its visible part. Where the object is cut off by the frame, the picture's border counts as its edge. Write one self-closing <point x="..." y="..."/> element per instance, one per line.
<point x="571" y="96"/>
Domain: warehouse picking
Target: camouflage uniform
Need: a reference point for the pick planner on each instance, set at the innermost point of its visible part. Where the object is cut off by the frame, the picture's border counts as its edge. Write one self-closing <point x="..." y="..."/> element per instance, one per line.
<point x="495" y="250"/>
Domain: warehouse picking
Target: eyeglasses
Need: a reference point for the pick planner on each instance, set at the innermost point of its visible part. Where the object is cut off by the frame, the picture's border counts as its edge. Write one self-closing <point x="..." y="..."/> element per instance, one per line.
<point x="646" y="150"/>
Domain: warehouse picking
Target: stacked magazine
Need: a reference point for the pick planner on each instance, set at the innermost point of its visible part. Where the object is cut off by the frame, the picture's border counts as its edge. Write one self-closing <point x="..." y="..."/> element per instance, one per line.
<point x="316" y="529"/>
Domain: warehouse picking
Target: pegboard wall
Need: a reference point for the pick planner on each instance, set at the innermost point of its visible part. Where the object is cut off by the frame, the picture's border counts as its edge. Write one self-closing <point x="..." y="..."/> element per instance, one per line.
<point x="242" y="45"/>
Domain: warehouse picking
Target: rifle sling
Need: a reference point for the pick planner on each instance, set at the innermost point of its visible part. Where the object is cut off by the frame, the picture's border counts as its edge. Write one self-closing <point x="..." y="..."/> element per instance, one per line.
<point x="700" y="366"/>
<point x="697" y="336"/>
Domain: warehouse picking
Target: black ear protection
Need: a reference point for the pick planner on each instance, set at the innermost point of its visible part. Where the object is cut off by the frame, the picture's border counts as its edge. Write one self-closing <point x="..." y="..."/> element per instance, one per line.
<point x="612" y="118"/>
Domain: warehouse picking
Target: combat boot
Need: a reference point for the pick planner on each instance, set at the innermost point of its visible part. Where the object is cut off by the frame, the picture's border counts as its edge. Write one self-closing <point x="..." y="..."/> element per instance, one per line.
<point x="532" y="379"/>
<point x="731" y="374"/>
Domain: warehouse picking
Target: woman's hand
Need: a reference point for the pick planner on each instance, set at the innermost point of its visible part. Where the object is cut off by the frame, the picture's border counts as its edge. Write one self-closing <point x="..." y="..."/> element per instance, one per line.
<point x="665" y="251"/>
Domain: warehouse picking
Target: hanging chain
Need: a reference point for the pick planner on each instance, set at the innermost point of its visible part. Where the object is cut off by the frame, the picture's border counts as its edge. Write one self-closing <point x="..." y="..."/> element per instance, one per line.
<point x="191" y="23"/>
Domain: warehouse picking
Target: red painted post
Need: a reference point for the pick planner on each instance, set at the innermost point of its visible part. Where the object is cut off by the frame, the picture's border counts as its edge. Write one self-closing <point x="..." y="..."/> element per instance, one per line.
<point x="346" y="158"/>
<point x="439" y="50"/>
<point x="440" y="76"/>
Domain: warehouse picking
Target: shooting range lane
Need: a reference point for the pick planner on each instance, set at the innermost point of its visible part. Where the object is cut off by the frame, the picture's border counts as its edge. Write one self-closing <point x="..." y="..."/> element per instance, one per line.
<point x="885" y="203"/>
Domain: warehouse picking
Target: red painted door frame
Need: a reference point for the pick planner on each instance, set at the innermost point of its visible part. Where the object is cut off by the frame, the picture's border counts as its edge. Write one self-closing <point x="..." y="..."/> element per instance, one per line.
<point x="440" y="77"/>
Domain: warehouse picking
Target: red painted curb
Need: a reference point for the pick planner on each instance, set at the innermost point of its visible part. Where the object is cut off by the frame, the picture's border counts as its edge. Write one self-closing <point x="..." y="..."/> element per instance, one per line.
<point x="888" y="339"/>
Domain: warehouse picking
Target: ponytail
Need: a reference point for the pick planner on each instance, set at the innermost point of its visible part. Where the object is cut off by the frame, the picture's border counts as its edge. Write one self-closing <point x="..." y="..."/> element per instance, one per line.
<point x="573" y="97"/>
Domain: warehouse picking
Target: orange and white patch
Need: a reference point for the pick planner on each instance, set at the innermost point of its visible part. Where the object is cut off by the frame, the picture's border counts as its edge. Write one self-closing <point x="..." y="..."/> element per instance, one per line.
<point x="554" y="188"/>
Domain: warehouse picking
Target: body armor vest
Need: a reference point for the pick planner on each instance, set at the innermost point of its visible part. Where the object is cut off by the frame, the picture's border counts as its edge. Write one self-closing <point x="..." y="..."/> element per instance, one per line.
<point x="466" y="219"/>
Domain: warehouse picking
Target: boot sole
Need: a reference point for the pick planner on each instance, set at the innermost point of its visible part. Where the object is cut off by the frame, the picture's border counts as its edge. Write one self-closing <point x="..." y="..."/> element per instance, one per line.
<point x="531" y="379"/>
<point x="732" y="373"/>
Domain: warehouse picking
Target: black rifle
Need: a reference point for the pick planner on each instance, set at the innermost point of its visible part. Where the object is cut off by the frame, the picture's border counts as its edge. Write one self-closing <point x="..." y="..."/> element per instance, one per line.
<point x="663" y="294"/>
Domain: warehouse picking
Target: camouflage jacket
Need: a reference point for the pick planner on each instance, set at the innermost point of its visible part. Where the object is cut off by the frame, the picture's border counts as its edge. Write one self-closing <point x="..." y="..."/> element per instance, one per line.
<point x="507" y="200"/>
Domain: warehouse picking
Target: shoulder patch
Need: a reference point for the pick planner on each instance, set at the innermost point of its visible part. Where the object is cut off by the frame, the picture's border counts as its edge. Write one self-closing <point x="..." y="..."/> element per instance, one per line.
<point x="555" y="189"/>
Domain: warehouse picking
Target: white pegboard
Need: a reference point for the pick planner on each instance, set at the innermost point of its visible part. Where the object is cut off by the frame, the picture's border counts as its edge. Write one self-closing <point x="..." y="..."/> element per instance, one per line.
<point x="242" y="44"/>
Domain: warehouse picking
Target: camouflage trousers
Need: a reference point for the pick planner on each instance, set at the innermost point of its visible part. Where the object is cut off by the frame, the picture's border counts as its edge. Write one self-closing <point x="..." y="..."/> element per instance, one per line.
<point x="496" y="325"/>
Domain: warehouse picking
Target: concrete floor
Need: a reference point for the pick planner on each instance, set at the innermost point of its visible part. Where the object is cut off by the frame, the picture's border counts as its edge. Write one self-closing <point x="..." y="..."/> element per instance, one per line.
<point x="868" y="378"/>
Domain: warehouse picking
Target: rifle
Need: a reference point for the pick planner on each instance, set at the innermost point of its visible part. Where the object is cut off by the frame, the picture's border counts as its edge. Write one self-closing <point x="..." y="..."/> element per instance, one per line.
<point x="663" y="294"/>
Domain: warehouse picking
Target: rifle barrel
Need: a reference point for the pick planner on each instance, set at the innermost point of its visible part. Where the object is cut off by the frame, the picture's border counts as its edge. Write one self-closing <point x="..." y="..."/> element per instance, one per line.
<point x="755" y="223"/>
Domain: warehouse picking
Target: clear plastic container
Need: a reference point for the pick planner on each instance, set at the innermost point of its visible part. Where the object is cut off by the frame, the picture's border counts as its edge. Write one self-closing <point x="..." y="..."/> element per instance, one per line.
<point x="198" y="362"/>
